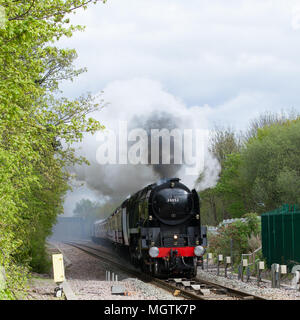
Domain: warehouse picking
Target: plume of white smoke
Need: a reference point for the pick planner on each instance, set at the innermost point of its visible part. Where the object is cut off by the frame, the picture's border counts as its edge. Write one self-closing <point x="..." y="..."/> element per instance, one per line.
<point x="144" y="104"/>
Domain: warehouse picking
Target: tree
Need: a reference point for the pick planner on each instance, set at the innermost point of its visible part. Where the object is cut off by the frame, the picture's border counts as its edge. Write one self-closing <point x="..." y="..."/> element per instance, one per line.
<point x="209" y="207"/>
<point x="271" y="165"/>
<point x="33" y="126"/>
<point x="231" y="187"/>
<point x="86" y="208"/>
<point x="267" y="119"/>
<point x="263" y="173"/>
<point x="224" y="141"/>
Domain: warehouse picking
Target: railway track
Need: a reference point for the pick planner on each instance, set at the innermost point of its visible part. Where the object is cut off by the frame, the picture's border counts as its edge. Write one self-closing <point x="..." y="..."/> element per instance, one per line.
<point x="189" y="289"/>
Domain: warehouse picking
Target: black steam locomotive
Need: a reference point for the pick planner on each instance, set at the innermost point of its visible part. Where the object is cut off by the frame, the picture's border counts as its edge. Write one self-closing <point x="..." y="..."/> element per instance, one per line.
<point x="160" y="227"/>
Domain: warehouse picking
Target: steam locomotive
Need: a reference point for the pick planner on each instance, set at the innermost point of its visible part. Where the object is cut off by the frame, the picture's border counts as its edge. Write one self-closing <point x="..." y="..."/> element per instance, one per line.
<point x="160" y="227"/>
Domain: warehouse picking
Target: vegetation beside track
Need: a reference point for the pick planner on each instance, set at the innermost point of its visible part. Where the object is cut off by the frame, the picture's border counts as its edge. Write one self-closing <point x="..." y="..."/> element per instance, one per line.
<point x="34" y="124"/>
<point x="260" y="168"/>
<point x="237" y="238"/>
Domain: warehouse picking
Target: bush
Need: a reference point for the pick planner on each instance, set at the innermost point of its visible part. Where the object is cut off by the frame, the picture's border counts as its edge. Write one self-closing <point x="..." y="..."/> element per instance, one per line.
<point x="238" y="235"/>
<point x="254" y="242"/>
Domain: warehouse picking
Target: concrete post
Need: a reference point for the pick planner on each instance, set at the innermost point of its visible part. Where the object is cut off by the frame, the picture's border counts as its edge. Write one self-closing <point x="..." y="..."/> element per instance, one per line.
<point x="275" y="275"/>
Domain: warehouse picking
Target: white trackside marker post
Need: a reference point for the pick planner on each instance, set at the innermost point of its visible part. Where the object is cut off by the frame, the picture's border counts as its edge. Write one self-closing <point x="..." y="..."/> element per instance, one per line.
<point x="220" y="259"/>
<point x="261" y="266"/>
<point x="282" y="270"/>
<point x="243" y="266"/>
<point x="208" y="257"/>
<point x="58" y="273"/>
<point x="227" y="264"/>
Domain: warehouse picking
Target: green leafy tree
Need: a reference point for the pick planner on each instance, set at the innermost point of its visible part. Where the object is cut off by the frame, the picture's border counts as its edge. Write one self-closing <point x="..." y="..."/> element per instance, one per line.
<point x="271" y="166"/>
<point x="223" y="143"/>
<point x="263" y="172"/>
<point x="232" y="188"/>
<point x="86" y="208"/>
<point x="33" y="127"/>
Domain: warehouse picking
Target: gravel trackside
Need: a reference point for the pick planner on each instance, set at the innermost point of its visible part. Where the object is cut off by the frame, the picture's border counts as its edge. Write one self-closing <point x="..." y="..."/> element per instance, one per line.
<point x="86" y="276"/>
<point x="264" y="290"/>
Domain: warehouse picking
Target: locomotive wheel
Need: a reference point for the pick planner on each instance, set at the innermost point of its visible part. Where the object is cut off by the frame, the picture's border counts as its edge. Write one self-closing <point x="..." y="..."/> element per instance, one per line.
<point x="133" y="260"/>
<point x="191" y="274"/>
<point x="144" y="267"/>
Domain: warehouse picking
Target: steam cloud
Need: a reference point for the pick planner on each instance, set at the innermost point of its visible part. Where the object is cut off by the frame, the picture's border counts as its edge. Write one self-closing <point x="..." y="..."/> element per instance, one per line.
<point x="143" y="104"/>
<point x="159" y="120"/>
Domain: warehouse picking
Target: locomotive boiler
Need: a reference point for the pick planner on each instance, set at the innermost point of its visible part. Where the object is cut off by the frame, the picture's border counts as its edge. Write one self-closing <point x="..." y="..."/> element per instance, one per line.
<point x="160" y="227"/>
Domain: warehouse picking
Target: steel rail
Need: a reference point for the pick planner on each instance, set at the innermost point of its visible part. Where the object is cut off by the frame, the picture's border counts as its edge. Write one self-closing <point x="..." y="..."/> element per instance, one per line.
<point x="146" y="278"/>
<point x="101" y="254"/>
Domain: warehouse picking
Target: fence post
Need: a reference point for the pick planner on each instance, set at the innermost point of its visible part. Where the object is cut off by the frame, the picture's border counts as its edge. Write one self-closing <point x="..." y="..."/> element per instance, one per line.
<point x="207" y="261"/>
<point x="220" y="259"/>
<point x="248" y="273"/>
<point x="260" y="267"/>
<point x="243" y="265"/>
<point x="231" y="254"/>
<point x="228" y="262"/>
<point x="295" y="281"/>
<point x="208" y="256"/>
<point x="275" y="275"/>
<point x="240" y="271"/>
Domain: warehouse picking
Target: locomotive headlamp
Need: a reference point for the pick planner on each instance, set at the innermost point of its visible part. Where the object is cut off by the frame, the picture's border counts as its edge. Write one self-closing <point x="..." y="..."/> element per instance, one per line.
<point x="199" y="251"/>
<point x="150" y="218"/>
<point x="197" y="216"/>
<point x="153" y="252"/>
<point x="175" y="236"/>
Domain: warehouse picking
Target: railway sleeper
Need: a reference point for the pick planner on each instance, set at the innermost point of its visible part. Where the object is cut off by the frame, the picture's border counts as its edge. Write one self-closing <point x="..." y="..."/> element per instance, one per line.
<point x="204" y="292"/>
<point x="219" y="291"/>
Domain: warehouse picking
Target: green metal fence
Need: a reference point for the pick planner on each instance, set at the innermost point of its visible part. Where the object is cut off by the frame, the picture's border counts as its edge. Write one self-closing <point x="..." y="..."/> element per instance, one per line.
<point x="281" y="235"/>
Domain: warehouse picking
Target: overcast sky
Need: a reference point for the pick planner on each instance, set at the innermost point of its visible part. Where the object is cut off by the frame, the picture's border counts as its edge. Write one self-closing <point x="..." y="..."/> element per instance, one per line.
<point x="231" y="57"/>
<point x="227" y="61"/>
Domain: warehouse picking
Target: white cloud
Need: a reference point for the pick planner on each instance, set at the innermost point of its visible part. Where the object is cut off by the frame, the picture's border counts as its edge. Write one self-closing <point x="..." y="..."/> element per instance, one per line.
<point x="201" y="51"/>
